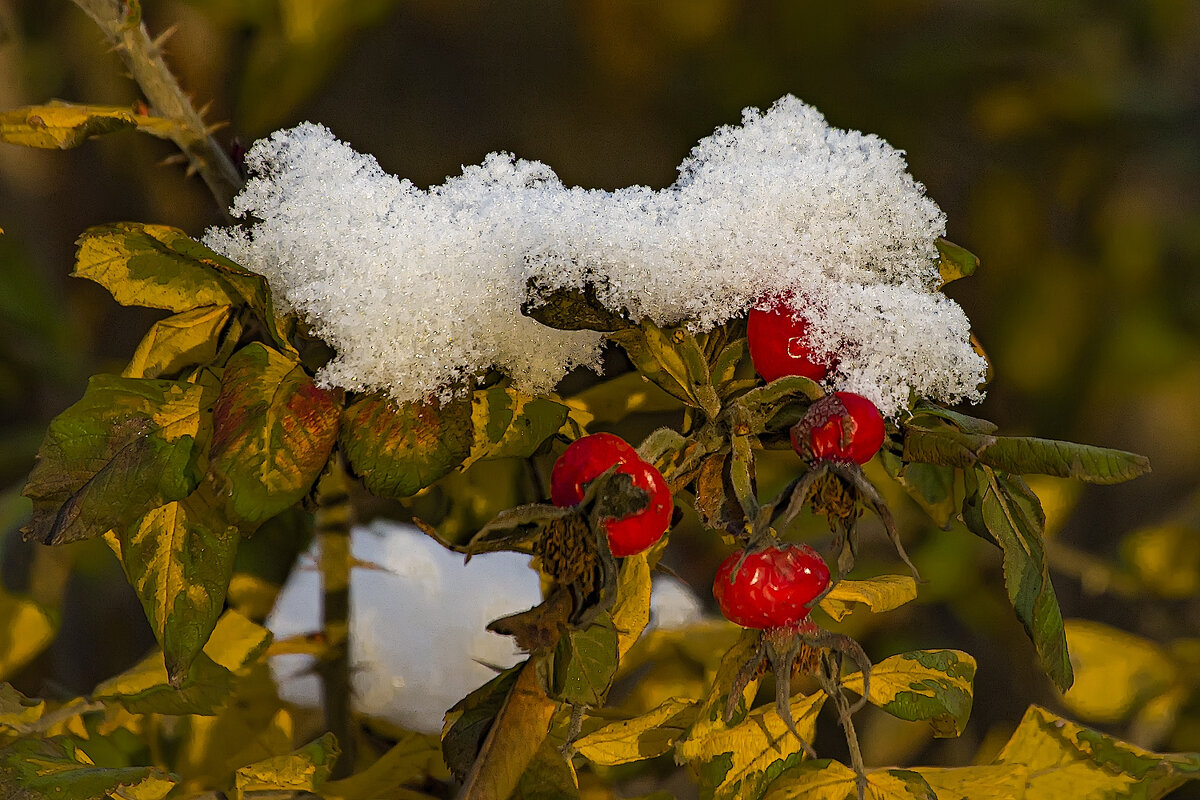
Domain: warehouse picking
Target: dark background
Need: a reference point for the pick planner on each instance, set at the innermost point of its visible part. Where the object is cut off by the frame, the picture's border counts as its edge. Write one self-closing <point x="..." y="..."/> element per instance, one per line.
<point x="1062" y="140"/>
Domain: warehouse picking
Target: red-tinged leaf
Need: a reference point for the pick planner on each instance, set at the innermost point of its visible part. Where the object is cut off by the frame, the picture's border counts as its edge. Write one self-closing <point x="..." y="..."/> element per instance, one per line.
<point x="399" y="450"/>
<point x="273" y="431"/>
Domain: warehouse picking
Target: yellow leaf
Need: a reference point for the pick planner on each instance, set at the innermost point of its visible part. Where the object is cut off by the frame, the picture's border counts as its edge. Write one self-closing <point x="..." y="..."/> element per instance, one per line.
<point x="181" y="340"/>
<point x="305" y="769"/>
<point x="932" y="685"/>
<point x="415" y="757"/>
<point x="880" y="594"/>
<point x="991" y="781"/>
<point x="25" y="630"/>
<point x="16" y="710"/>
<point x="631" y="612"/>
<point x="740" y="761"/>
<point x="1115" y="672"/>
<point x="59" y="125"/>
<point x="639" y="738"/>
<point x="1068" y="760"/>
<point x="236" y="641"/>
<point x="830" y="780"/>
<point x="1166" y="559"/>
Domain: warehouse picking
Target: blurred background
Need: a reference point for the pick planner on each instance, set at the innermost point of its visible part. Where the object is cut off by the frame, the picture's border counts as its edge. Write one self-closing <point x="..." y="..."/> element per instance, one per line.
<point x="1062" y="140"/>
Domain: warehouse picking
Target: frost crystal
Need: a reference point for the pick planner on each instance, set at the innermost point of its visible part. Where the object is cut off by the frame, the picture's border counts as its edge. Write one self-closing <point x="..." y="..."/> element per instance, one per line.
<point x="417" y="290"/>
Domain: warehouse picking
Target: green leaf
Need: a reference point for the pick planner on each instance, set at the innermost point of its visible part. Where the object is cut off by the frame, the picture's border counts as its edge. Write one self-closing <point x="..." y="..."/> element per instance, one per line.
<point x="824" y="779"/>
<point x="128" y="446"/>
<point x="273" y="431"/>
<point x="615" y="399"/>
<point x="572" y="310"/>
<point x="955" y="262"/>
<point x="581" y="669"/>
<point x="936" y="686"/>
<point x="1065" y="759"/>
<point x="26" y="629"/>
<point x="1023" y="455"/>
<point x="671" y="358"/>
<point x="967" y="424"/>
<point x="186" y="339"/>
<point x="305" y="769"/>
<point x="932" y="486"/>
<point x="878" y="594"/>
<point x="157" y="266"/>
<point x="399" y="450"/>
<point x="1003" y="510"/>
<point x="646" y="736"/>
<point x="41" y="769"/>
<point x="470" y="719"/>
<point x="146" y="689"/>
<point x="61" y="126"/>
<point x="508" y="423"/>
<point x="179" y="559"/>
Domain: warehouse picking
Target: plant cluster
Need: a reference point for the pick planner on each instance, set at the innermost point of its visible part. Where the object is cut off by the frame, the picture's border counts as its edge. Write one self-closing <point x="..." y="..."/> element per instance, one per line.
<point x="361" y="335"/>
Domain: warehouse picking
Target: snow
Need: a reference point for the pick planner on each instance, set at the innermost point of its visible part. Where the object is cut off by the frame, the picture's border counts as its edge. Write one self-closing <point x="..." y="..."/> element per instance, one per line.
<point x="419" y="642"/>
<point x="419" y="290"/>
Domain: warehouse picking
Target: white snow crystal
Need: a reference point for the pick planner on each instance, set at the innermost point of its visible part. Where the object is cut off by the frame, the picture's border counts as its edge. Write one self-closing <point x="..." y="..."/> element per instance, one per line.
<point x="417" y="290"/>
<point x="419" y="641"/>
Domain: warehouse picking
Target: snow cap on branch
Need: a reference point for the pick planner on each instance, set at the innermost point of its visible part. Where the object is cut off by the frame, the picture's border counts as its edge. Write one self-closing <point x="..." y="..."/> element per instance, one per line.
<point x="417" y="290"/>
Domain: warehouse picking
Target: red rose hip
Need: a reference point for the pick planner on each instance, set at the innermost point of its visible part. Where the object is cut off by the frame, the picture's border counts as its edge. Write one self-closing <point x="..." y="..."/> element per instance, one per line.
<point x="840" y="427"/>
<point x="778" y="341"/>
<point x="774" y="588"/>
<point x="586" y="459"/>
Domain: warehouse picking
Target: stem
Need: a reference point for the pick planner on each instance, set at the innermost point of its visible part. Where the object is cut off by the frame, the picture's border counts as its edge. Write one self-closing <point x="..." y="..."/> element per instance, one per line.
<point x="122" y="26"/>
<point x="333" y="537"/>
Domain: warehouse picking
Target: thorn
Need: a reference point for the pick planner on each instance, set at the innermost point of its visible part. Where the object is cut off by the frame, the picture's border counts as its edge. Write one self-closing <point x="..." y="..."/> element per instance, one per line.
<point x="216" y="126"/>
<point x="173" y="160"/>
<point x="204" y="109"/>
<point x="162" y="38"/>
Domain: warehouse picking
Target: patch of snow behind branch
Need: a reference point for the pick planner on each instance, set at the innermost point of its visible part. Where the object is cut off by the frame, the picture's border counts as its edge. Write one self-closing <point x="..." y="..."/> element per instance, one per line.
<point x="417" y="290"/>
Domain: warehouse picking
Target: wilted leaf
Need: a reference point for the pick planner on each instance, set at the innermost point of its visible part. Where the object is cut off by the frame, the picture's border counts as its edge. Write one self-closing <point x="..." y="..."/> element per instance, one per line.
<point x="514" y="739"/>
<point x="182" y="340"/>
<point x="631" y="611"/>
<point x="829" y="780"/>
<point x="1116" y="672"/>
<point x="61" y="126"/>
<point x="179" y="559"/>
<point x="1021" y="455"/>
<point x="1002" y="509"/>
<point x="509" y="423"/>
<point x="128" y="446"/>
<point x="157" y="266"/>
<point x="936" y="686"/>
<point x="878" y="594"/>
<point x="572" y="310"/>
<point x="581" y="668"/>
<point x="41" y="769"/>
<point x="955" y="262"/>
<point x="1064" y="759"/>
<point x="742" y="760"/>
<point x="399" y="450"/>
<point x="26" y="629"/>
<point x="671" y="358"/>
<point x="273" y="431"/>
<point x="17" y="710"/>
<point x="637" y="739"/>
<point x="305" y="769"/>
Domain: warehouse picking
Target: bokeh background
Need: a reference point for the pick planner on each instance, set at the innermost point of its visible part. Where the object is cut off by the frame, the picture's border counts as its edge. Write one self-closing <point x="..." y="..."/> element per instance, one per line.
<point x="1062" y="139"/>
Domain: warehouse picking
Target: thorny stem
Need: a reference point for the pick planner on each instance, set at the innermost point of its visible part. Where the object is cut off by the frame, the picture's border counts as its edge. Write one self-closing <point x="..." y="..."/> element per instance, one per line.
<point x="121" y="23"/>
<point x="829" y="674"/>
<point x="333" y="537"/>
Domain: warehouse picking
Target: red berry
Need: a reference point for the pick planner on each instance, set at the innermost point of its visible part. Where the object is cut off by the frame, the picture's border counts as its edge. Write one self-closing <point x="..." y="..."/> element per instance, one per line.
<point x="778" y="342"/>
<point x="586" y="459"/>
<point x="843" y="426"/>
<point x="774" y="588"/>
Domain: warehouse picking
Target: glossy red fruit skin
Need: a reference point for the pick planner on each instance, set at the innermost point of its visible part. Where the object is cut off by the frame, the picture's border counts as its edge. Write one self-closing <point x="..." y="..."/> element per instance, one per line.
<point x="774" y="588"/>
<point x="778" y="343"/>
<point x="586" y="459"/>
<point x="831" y="440"/>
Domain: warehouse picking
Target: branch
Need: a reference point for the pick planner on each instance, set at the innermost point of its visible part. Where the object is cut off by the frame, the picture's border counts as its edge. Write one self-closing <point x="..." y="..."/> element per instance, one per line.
<point x="333" y="537"/>
<point x="121" y="22"/>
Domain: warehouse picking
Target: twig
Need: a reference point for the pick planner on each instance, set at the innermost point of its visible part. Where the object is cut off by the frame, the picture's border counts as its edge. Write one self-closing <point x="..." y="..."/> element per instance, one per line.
<point x="122" y="26"/>
<point x="333" y="537"/>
